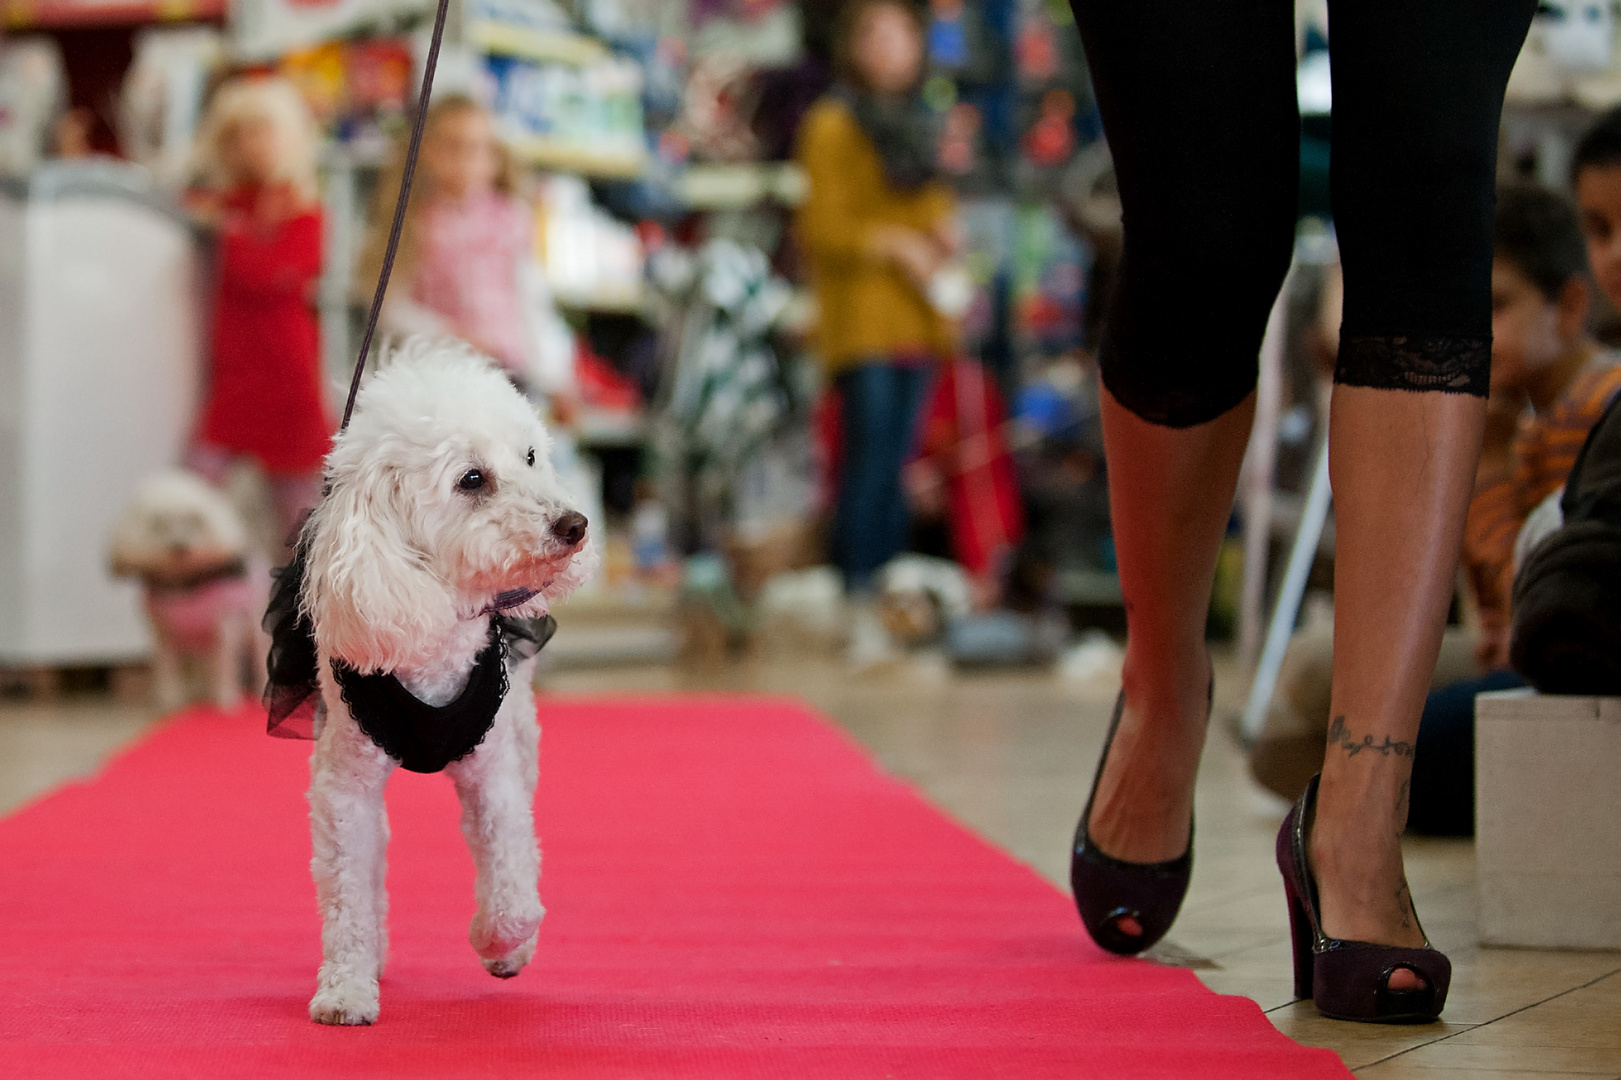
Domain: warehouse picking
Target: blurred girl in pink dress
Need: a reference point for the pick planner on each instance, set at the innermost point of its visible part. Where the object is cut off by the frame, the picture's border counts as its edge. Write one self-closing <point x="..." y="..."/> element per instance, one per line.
<point x="465" y="267"/>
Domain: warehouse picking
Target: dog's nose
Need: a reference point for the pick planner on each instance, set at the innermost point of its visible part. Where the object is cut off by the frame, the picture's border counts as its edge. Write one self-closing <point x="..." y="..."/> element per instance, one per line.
<point x="570" y="528"/>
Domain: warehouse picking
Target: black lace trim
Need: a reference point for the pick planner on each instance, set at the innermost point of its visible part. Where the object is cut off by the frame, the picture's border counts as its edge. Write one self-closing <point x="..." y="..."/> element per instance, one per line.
<point x="292" y="693"/>
<point x="425" y="738"/>
<point x="1453" y="365"/>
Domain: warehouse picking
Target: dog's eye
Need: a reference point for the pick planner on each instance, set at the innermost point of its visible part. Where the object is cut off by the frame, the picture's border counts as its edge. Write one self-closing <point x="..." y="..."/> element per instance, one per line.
<point x="531" y="458"/>
<point x="472" y="480"/>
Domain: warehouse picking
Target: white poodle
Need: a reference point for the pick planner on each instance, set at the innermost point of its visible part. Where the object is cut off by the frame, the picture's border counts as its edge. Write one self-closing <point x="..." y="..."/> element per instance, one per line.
<point x="443" y="537"/>
<point x="202" y="586"/>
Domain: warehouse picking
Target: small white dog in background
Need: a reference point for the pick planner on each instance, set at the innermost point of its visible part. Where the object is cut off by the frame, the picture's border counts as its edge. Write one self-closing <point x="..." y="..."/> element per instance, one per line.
<point x="444" y="531"/>
<point x="203" y="587"/>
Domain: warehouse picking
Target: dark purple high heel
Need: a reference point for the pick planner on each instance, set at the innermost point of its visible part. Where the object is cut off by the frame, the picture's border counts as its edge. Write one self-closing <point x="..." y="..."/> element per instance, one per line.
<point x="1350" y="980"/>
<point x="1108" y="890"/>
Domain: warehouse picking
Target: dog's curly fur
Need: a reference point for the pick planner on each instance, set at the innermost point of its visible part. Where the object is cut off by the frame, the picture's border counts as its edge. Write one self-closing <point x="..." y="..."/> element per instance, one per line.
<point x="406" y="555"/>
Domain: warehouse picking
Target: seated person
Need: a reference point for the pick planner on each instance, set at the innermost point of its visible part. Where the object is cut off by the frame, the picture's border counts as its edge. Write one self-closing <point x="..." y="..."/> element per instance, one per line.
<point x="1550" y="383"/>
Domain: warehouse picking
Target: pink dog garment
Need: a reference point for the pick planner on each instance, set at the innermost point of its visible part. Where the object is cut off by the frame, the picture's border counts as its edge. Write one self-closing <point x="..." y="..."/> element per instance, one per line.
<point x="189" y="617"/>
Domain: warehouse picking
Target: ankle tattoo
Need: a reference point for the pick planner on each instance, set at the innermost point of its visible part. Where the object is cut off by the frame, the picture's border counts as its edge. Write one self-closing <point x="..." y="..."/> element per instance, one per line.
<point x="1404" y="904"/>
<point x="1340" y="735"/>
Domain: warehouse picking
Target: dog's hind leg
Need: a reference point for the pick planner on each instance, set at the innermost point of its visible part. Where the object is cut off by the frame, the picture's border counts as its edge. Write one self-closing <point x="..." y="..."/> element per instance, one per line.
<point x="349" y="827"/>
<point x="498" y="822"/>
<point x="168" y="677"/>
<point x="230" y="638"/>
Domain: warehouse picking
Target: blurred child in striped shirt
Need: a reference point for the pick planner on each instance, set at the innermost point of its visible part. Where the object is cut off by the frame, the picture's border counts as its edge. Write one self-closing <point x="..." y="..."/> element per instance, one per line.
<point x="1550" y="383"/>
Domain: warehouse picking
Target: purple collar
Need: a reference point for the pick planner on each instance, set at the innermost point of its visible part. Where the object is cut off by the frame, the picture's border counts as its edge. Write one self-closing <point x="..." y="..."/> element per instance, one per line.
<point x="510" y="599"/>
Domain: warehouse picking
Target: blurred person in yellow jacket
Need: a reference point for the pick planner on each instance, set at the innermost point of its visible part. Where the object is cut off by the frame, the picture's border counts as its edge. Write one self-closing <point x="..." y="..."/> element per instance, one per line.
<point x="878" y="227"/>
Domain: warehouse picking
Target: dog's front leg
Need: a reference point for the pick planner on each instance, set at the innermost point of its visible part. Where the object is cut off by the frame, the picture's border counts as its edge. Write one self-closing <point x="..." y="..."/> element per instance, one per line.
<point x="349" y="828"/>
<point x="498" y="823"/>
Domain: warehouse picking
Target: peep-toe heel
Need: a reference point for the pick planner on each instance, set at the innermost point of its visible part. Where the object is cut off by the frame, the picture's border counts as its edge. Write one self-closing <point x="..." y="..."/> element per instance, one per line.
<point x="1350" y="980"/>
<point x="1109" y="890"/>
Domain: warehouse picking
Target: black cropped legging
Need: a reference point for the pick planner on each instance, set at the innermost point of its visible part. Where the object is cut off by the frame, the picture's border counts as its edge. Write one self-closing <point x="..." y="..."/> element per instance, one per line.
<point x="1198" y="103"/>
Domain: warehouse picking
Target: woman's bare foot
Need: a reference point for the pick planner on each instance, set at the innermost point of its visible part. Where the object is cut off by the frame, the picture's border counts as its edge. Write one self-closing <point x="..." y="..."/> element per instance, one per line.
<point x="1143" y="810"/>
<point x="1356" y="855"/>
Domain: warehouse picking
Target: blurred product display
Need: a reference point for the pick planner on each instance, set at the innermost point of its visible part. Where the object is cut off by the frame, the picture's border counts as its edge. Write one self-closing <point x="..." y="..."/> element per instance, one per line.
<point x="32" y="91"/>
<point x="733" y="416"/>
<point x="263" y="30"/>
<point x="811" y="297"/>
<point x="563" y="116"/>
<point x="163" y="96"/>
<point x="651" y="145"/>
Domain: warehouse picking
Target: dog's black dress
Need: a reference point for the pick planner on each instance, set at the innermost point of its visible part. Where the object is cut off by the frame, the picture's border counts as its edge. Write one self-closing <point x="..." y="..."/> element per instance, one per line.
<point x="422" y="738"/>
<point x="425" y="738"/>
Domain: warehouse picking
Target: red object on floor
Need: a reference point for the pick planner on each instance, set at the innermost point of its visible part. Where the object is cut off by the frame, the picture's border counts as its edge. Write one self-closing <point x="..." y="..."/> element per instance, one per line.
<point x="733" y="891"/>
<point x="601" y="386"/>
<point x="963" y="431"/>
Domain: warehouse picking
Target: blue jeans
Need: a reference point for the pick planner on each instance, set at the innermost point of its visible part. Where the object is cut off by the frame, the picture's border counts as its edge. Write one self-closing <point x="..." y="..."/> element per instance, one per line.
<point x="880" y="408"/>
<point x="1442" y="798"/>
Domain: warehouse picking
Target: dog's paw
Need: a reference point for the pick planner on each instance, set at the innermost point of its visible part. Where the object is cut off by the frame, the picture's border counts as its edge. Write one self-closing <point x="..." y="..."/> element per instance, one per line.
<point x="509" y="965"/>
<point x="500" y="936"/>
<point x="346" y="1005"/>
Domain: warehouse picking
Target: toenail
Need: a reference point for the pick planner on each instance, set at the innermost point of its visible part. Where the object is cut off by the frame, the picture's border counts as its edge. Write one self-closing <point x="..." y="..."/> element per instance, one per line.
<point x="1418" y="977"/>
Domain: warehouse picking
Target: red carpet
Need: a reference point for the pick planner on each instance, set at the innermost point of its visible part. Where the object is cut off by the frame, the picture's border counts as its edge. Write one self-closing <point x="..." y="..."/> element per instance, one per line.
<point x="732" y="891"/>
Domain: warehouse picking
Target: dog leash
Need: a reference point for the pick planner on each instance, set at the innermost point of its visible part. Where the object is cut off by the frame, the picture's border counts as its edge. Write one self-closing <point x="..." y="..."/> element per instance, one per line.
<point x="417" y="125"/>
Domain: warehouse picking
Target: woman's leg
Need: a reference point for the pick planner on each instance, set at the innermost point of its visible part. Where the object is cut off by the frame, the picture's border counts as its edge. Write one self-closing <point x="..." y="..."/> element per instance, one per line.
<point x="1418" y="90"/>
<point x="912" y="383"/>
<point x="865" y="521"/>
<point x="1403" y="467"/>
<point x="1198" y="101"/>
<point x="1170" y="495"/>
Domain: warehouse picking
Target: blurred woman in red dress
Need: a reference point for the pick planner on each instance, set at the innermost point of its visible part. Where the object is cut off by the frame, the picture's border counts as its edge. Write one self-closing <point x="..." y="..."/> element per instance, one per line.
<point x="265" y="399"/>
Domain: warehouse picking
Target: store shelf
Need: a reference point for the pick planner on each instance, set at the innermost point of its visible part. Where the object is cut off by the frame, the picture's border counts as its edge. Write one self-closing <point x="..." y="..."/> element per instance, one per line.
<point x="604" y="303"/>
<point x="568" y="157"/>
<point x="736" y="187"/>
<point x="559" y="46"/>
<point x="53" y="14"/>
<point x="610" y="646"/>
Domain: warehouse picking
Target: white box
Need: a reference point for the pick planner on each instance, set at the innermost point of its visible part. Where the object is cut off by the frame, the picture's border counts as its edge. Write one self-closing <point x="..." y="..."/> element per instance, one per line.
<point x="1548" y="820"/>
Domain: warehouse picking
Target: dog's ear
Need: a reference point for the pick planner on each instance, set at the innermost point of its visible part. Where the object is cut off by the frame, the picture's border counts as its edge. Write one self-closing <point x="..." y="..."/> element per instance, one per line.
<point x="372" y="594"/>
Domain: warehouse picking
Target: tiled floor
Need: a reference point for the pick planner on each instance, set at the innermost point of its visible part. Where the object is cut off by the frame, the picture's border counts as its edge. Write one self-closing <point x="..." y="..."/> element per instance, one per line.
<point x="1011" y="756"/>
